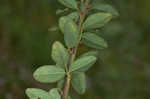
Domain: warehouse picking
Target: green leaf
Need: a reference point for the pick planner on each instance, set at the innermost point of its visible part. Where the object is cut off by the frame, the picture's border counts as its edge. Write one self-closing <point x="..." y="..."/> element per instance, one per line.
<point x="94" y="41"/>
<point x="54" y="94"/>
<point x="34" y="93"/>
<point x="69" y="3"/>
<point x="82" y="64"/>
<point x="71" y="33"/>
<point x="78" y="82"/>
<point x="62" y="21"/>
<point x="60" y="54"/>
<point x="61" y="83"/>
<point x="101" y="54"/>
<point x="97" y="20"/>
<point x="90" y="53"/>
<point x="49" y="74"/>
<point x="105" y="8"/>
<point x="74" y="16"/>
<point x="70" y="30"/>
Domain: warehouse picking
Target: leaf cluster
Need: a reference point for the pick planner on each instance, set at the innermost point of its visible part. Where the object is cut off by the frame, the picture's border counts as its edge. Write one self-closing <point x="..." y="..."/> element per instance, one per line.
<point x="76" y="27"/>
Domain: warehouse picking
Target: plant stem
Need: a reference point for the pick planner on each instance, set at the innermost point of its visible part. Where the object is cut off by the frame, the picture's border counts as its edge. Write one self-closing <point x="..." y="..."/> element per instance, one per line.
<point x="73" y="54"/>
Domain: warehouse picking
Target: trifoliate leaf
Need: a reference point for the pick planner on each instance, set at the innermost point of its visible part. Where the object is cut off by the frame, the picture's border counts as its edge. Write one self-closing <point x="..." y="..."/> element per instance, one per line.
<point x="97" y="20"/>
<point x="78" y="82"/>
<point x="94" y="41"/>
<point x="49" y="74"/>
<point x="82" y="64"/>
<point x="60" y="54"/>
<point x="34" y="93"/>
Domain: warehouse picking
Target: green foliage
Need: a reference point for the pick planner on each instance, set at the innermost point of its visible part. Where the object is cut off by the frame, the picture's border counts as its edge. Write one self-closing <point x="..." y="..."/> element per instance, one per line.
<point x="105" y="8"/>
<point x="54" y="94"/>
<point x="60" y="84"/>
<point x="70" y="30"/>
<point x="62" y="22"/>
<point x="91" y="53"/>
<point x="97" y="20"/>
<point x="69" y="3"/>
<point x="78" y="82"/>
<point x="82" y="64"/>
<point x="74" y="16"/>
<point x="49" y="74"/>
<point x="34" y="93"/>
<point x="69" y="69"/>
<point x="94" y="41"/>
<point x="71" y="33"/>
<point x="60" y="54"/>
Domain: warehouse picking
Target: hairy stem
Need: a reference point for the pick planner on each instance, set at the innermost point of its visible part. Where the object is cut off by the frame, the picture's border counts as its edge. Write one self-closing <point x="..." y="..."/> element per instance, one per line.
<point x="73" y="52"/>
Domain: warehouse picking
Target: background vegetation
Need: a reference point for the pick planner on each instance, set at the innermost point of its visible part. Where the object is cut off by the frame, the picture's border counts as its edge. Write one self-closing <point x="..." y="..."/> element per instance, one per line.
<point x="25" y="42"/>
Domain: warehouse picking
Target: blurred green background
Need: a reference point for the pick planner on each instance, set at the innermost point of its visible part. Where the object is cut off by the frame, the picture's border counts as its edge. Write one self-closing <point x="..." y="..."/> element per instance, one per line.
<point x="25" y="44"/>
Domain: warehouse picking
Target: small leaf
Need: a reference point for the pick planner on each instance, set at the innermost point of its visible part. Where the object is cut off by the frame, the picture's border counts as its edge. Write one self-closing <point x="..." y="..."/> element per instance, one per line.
<point x="62" y="22"/>
<point x="78" y="82"/>
<point x="82" y="64"/>
<point x="61" y="83"/>
<point x="74" y="16"/>
<point x="34" y="93"/>
<point x="71" y="33"/>
<point x="105" y="8"/>
<point x="54" y="94"/>
<point x="60" y="54"/>
<point x="49" y="74"/>
<point x="69" y="3"/>
<point x="97" y="20"/>
<point x="70" y="30"/>
<point x="90" y="53"/>
<point x="94" y="41"/>
<point x="101" y="54"/>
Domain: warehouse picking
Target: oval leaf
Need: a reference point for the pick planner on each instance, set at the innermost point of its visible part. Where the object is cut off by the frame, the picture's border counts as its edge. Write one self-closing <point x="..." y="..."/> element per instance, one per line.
<point x="74" y="16"/>
<point x="97" y="20"/>
<point x="49" y="74"/>
<point x="94" y="41"/>
<point x="60" y="84"/>
<point x="62" y="22"/>
<point x="106" y="8"/>
<point x="60" y="54"/>
<point x="69" y="3"/>
<point x="34" y="93"/>
<point x="82" y="64"/>
<point x="78" y="82"/>
<point x="54" y="94"/>
<point x="71" y="33"/>
<point x="90" y="53"/>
